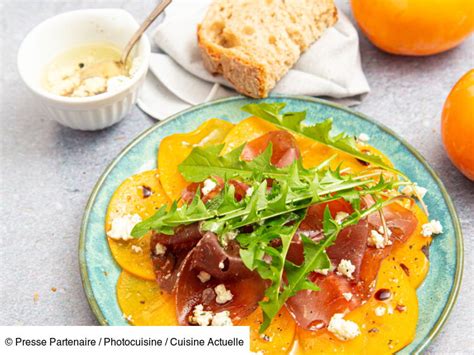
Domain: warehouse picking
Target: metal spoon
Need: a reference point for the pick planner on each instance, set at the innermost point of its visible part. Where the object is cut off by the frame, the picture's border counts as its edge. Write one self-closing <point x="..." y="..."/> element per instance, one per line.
<point x="110" y="68"/>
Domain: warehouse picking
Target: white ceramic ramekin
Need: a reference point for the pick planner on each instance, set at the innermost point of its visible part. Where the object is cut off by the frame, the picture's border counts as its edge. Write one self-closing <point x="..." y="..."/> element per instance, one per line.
<point x="72" y="29"/>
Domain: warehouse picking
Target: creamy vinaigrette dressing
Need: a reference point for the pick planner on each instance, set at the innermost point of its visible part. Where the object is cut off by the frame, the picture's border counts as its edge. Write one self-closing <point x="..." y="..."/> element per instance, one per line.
<point x="67" y="74"/>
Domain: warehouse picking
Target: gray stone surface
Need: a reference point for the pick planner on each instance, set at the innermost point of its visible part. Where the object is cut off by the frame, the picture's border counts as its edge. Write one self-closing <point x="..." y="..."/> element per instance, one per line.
<point x="48" y="171"/>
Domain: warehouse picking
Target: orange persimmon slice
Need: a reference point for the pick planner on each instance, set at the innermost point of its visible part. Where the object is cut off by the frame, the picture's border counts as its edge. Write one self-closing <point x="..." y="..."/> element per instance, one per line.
<point x="245" y="131"/>
<point x="396" y="328"/>
<point x="410" y="255"/>
<point x="314" y="153"/>
<point x="140" y="194"/>
<point x="279" y="336"/>
<point x="380" y="333"/>
<point x="175" y="148"/>
<point x="143" y="303"/>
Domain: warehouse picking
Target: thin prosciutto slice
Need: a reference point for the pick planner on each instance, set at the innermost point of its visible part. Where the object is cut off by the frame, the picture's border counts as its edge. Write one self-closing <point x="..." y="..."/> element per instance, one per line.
<point x="351" y="243"/>
<point x="190" y="191"/>
<point x="284" y="148"/>
<point x="224" y="267"/>
<point x="401" y="223"/>
<point x="167" y="264"/>
<point x="313" y="309"/>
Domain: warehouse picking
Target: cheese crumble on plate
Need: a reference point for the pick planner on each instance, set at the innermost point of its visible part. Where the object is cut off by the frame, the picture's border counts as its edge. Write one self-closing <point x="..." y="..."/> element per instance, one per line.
<point x="121" y="227"/>
<point x="343" y="329"/>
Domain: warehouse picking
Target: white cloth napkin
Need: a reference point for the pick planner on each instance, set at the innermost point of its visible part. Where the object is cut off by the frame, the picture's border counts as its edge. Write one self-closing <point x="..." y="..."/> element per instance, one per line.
<point x="330" y="68"/>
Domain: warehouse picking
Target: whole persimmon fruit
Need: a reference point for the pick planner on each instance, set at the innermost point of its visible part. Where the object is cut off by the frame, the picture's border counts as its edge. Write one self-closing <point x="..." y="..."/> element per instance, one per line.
<point x="457" y="125"/>
<point x="415" y="27"/>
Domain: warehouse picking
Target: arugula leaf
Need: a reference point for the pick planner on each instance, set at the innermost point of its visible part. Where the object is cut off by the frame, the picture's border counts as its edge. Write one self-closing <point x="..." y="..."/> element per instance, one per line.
<point x="320" y="132"/>
<point x="256" y="245"/>
<point x="203" y="162"/>
<point x="165" y="221"/>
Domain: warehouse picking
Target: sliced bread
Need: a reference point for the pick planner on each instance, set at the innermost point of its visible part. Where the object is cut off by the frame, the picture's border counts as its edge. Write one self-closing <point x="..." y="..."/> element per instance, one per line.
<point x="253" y="43"/>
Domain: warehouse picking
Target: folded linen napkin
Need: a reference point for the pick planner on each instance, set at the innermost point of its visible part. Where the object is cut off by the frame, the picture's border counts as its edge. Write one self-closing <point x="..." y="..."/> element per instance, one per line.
<point x="177" y="79"/>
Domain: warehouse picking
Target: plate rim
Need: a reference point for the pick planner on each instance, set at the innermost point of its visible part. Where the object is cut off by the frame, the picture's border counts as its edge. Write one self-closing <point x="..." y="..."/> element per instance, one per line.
<point x="451" y="301"/>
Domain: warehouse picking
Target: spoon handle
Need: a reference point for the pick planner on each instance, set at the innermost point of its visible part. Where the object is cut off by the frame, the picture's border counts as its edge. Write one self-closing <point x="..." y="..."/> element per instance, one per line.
<point x="144" y="26"/>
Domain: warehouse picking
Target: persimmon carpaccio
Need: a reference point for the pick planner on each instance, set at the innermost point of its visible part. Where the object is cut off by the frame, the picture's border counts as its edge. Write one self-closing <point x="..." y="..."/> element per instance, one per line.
<point x="457" y="124"/>
<point x="415" y="27"/>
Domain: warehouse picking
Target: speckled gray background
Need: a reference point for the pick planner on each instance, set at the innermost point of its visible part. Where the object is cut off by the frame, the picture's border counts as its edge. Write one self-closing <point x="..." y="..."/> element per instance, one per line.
<point x="47" y="171"/>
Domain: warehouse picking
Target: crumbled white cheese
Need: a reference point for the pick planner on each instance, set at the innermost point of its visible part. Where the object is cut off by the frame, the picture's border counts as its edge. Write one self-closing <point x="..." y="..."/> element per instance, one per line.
<point x="200" y="316"/>
<point x="209" y="185"/>
<point x="432" y="227"/>
<point x="160" y="249"/>
<point x="379" y="311"/>
<point x="249" y="191"/>
<point x="63" y="81"/>
<point x="205" y="318"/>
<point x="91" y="86"/>
<point x="340" y="216"/>
<point x="414" y="190"/>
<point x="343" y="329"/>
<point x="377" y="240"/>
<point x="221" y="319"/>
<point x="346" y="268"/>
<point x="364" y="137"/>
<point x="228" y="236"/>
<point x="347" y="296"/>
<point x="203" y="276"/>
<point x="221" y="265"/>
<point x="223" y="295"/>
<point x="121" y="227"/>
<point x="136" y="249"/>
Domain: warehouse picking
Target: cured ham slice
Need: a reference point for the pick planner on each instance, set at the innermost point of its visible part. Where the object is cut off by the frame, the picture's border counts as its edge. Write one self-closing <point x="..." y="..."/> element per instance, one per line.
<point x="284" y="152"/>
<point x="401" y="221"/>
<point x="223" y="267"/>
<point x="190" y="191"/>
<point x="166" y="262"/>
<point x="351" y="243"/>
<point x="313" y="309"/>
<point x="284" y="148"/>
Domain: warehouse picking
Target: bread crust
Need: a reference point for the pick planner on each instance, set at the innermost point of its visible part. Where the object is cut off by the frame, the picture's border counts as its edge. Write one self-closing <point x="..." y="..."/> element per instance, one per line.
<point x="247" y="76"/>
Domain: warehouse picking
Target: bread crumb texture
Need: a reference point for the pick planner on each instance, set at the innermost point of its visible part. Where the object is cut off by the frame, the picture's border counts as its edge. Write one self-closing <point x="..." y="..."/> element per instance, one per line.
<point x="253" y="43"/>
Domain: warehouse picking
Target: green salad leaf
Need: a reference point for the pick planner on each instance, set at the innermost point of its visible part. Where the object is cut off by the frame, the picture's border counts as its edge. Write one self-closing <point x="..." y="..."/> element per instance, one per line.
<point x="319" y="132"/>
<point x="203" y="162"/>
<point x="256" y="246"/>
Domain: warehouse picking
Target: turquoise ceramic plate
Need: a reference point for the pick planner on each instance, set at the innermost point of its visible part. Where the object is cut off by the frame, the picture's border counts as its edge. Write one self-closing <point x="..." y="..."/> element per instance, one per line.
<point x="436" y="295"/>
